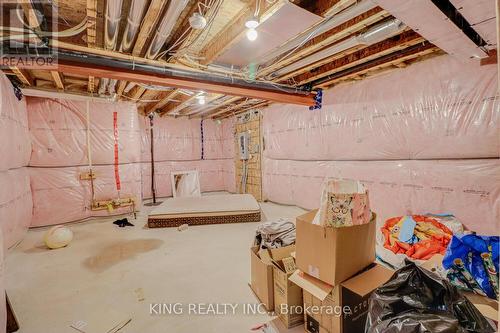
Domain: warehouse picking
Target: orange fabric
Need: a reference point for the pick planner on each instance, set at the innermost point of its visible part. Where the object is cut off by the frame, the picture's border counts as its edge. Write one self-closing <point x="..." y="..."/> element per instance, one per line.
<point x="434" y="237"/>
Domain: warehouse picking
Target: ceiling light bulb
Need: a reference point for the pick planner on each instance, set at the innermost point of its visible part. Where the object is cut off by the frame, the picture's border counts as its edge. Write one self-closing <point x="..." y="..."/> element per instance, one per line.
<point x="252" y="23"/>
<point x="201" y="100"/>
<point x="252" y="34"/>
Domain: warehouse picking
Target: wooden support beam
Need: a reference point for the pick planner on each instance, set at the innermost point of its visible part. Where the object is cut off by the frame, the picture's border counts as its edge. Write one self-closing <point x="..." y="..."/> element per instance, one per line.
<point x="418" y="52"/>
<point x="58" y="79"/>
<point x="137" y="93"/>
<point x="148" y="24"/>
<point x="276" y="95"/>
<point x="23" y="75"/>
<point x="91" y="84"/>
<point x="333" y="35"/>
<point x="165" y="98"/>
<point x="390" y="45"/>
<point x="30" y="13"/>
<point x="91" y="23"/>
<point x="176" y="107"/>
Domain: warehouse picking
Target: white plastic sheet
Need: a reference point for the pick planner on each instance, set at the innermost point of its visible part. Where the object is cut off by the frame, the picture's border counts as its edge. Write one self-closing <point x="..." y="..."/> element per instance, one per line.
<point x="439" y="108"/>
<point x="15" y="149"/>
<point x="422" y="139"/>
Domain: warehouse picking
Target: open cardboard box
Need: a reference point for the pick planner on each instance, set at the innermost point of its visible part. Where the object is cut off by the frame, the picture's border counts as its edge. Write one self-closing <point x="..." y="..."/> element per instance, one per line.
<point x="342" y="308"/>
<point x="287" y="295"/>
<point x="331" y="254"/>
<point x="262" y="282"/>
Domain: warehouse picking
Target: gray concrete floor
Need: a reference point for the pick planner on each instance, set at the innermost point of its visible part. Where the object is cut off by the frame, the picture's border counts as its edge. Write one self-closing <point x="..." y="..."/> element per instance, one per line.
<point x="108" y="270"/>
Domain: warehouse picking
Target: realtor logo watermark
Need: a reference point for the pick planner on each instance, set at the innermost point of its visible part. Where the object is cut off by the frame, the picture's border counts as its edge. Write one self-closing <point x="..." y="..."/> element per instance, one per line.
<point x="225" y="309"/>
<point x="27" y="28"/>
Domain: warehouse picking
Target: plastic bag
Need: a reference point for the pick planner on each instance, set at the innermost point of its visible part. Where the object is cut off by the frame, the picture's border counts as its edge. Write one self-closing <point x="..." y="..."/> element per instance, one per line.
<point x="473" y="263"/>
<point x="416" y="300"/>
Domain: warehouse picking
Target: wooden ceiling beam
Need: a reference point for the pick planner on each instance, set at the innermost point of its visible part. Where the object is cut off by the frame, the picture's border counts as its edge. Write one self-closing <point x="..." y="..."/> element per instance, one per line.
<point x="173" y="108"/>
<point x="389" y="61"/>
<point x="390" y="45"/>
<point x="165" y="98"/>
<point x="58" y="79"/>
<point x="331" y="36"/>
<point x="274" y="95"/>
<point x="23" y="75"/>
<point x="150" y="20"/>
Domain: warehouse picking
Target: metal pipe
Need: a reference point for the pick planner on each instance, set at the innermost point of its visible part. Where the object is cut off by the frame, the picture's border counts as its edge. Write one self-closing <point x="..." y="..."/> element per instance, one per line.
<point x="153" y="187"/>
<point x="86" y="59"/>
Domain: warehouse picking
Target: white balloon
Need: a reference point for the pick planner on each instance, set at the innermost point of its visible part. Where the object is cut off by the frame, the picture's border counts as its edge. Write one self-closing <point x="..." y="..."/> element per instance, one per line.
<point x="57" y="237"/>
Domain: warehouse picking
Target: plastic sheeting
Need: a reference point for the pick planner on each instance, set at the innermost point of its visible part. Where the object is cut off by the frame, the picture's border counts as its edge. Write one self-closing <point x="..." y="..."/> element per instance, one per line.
<point x="15" y="205"/>
<point x="59" y="195"/>
<point x="13" y="128"/>
<point x="178" y="147"/>
<point x="58" y="130"/>
<point x="422" y="139"/>
<point x="439" y="108"/>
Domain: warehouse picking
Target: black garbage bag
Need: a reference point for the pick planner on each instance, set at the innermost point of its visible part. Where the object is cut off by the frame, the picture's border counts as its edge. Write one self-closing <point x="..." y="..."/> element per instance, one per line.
<point x="416" y="300"/>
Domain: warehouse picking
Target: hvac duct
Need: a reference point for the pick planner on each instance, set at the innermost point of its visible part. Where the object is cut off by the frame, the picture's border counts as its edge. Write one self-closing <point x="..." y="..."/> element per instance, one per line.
<point x="112" y="23"/>
<point x="174" y="10"/>
<point x="374" y="35"/>
<point x="325" y="25"/>
<point x="135" y="14"/>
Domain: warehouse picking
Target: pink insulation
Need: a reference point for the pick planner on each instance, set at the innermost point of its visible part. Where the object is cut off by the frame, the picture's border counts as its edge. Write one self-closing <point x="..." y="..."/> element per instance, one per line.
<point x="15" y="205"/>
<point x="59" y="135"/>
<point x="13" y="128"/>
<point x="60" y="156"/>
<point x="15" y="193"/>
<point x="434" y="109"/>
<point x="178" y="147"/>
<point x="466" y="188"/>
<point x="422" y="139"/>
<point x="59" y="195"/>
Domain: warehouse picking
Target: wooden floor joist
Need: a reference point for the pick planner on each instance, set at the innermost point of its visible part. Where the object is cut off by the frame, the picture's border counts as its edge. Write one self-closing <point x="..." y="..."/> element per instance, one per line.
<point x="58" y="79"/>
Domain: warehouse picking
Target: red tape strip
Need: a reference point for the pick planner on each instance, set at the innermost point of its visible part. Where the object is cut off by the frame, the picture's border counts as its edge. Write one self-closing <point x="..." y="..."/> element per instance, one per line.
<point x="117" y="172"/>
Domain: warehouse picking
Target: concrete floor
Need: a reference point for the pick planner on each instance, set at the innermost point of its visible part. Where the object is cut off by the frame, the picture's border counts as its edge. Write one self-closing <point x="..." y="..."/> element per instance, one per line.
<point x="108" y="271"/>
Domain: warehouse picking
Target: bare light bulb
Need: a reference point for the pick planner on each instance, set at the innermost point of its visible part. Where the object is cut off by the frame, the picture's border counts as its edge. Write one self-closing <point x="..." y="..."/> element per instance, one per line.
<point x="252" y="34"/>
<point x="201" y="100"/>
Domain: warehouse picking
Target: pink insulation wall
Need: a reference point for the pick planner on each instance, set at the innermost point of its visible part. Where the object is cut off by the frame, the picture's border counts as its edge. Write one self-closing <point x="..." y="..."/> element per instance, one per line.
<point x="423" y="139"/>
<point x="178" y="146"/>
<point x="59" y="156"/>
<point x="15" y="192"/>
<point x="60" y="153"/>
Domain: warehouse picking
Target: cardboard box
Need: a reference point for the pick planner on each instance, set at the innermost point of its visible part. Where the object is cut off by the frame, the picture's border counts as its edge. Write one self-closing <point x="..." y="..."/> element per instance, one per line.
<point x="261" y="263"/>
<point x="342" y="308"/>
<point x="333" y="254"/>
<point x="287" y="295"/>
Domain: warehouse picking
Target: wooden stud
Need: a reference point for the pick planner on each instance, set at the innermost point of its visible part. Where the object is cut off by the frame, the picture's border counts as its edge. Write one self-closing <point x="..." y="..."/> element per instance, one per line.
<point x="23" y="75"/>
<point x="58" y="79"/>
<point x="147" y="26"/>
<point x="91" y="85"/>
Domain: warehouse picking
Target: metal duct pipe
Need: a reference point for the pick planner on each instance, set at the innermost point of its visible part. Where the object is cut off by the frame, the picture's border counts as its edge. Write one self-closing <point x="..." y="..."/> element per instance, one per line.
<point x="111" y="29"/>
<point x="174" y="10"/>
<point x="112" y="23"/>
<point x="135" y="14"/>
<point x="325" y="25"/>
<point x="78" y="58"/>
<point x="373" y="35"/>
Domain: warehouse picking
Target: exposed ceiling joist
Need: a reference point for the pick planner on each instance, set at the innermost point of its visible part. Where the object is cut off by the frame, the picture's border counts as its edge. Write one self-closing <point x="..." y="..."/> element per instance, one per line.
<point x="402" y="41"/>
<point x="23" y="75"/>
<point x="58" y="79"/>
<point x="165" y="97"/>
<point x="149" y="21"/>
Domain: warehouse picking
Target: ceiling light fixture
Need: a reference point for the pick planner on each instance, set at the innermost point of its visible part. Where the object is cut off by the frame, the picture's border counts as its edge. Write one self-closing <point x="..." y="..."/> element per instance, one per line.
<point x="252" y="34"/>
<point x="252" y="22"/>
<point x="201" y="100"/>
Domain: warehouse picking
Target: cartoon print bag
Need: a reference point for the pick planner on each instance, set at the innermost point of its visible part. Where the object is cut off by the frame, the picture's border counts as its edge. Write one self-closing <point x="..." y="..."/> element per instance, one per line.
<point x="344" y="203"/>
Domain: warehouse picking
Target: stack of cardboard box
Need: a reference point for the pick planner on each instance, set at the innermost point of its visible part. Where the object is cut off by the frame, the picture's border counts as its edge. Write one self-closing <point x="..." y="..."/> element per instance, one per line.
<point x="337" y="273"/>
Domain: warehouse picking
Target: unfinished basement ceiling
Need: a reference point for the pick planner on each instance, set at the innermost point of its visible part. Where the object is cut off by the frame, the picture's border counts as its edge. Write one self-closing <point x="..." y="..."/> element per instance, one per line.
<point x="302" y="44"/>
